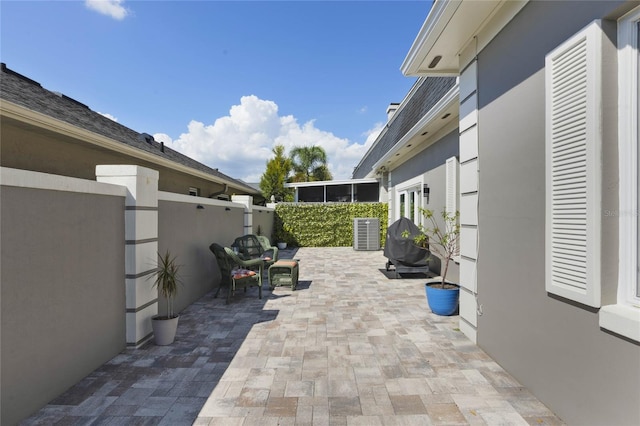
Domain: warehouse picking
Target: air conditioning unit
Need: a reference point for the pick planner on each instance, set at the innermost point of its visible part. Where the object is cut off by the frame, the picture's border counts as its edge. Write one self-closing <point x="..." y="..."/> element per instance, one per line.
<point x="366" y="233"/>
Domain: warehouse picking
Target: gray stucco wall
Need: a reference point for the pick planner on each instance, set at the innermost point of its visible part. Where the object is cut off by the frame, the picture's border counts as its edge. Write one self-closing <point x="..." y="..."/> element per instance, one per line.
<point x="553" y="347"/>
<point x="63" y="298"/>
<point x="430" y="163"/>
<point x="187" y="233"/>
<point x="263" y="219"/>
<point x="430" y="158"/>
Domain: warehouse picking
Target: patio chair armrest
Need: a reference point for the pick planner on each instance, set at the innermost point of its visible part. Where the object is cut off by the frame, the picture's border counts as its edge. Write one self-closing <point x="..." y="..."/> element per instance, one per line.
<point x="242" y="262"/>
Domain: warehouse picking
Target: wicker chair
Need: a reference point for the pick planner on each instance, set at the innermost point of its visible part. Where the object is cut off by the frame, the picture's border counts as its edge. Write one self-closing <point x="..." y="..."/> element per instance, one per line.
<point x="236" y="272"/>
<point x="256" y="246"/>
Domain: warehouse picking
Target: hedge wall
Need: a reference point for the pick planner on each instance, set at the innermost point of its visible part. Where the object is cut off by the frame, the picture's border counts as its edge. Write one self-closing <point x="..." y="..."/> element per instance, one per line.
<point x="324" y="225"/>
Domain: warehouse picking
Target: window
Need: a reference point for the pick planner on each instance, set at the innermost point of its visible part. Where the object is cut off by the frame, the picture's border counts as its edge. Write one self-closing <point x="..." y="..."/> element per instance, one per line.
<point x="628" y="96"/>
<point x="408" y="194"/>
<point x="573" y="138"/>
<point x="624" y="317"/>
<point x="194" y="191"/>
<point x="339" y="193"/>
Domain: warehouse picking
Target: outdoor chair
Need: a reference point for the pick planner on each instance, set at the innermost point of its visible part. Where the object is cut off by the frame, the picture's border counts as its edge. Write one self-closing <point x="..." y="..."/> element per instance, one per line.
<point x="236" y="272"/>
<point x="256" y="247"/>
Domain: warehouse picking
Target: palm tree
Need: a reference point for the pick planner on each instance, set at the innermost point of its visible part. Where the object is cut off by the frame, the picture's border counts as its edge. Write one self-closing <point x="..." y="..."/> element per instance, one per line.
<point x="309" y="164"/>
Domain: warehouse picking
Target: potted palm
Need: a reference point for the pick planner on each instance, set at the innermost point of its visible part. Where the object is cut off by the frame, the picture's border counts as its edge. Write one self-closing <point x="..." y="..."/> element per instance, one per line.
<point x="442" y="295"/>
<point x="167" y="281"/>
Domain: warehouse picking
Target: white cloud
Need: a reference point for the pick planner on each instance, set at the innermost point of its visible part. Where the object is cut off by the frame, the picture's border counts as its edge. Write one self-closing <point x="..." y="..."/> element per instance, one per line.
<point x="113" y="8"/>
<point x="240" y="143"/>
<point x="109" y="116"/>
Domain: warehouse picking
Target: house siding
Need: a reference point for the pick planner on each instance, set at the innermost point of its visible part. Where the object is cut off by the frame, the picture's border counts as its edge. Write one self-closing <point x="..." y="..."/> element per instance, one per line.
<point x="429" y="165"/>
<point x="552" y="346"/>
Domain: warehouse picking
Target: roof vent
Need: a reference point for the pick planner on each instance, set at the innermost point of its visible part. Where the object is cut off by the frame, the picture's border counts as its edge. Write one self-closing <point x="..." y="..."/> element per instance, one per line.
<point x="146" y="137"/>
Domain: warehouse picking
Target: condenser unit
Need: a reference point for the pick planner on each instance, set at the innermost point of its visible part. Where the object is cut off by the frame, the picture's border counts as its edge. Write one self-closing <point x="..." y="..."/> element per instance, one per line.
<point x="366" y="233"/>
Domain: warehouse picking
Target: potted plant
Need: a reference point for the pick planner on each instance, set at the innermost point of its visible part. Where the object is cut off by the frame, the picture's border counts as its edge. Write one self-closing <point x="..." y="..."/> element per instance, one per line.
<point x="167" y="281"/>
<point x="442" y="296"/>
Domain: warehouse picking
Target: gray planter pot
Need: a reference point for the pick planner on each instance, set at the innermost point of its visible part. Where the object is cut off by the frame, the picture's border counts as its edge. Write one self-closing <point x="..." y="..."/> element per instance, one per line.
<point x="164" y="330"/>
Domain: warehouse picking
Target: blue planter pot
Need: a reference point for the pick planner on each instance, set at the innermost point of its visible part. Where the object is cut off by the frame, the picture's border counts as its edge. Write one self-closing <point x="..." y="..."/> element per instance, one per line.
<point x="442" y="301"/>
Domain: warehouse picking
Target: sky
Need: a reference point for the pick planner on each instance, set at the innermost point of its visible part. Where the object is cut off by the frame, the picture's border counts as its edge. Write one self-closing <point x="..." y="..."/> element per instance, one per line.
<point x="224" y="81"/>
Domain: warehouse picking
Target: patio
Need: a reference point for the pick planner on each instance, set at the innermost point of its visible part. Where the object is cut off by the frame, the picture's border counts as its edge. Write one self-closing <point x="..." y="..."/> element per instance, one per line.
<point x="349" y="347"/>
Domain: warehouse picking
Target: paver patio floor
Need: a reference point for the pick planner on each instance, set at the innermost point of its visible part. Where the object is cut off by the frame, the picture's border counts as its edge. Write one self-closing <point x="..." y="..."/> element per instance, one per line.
<point x="349" y="347"/>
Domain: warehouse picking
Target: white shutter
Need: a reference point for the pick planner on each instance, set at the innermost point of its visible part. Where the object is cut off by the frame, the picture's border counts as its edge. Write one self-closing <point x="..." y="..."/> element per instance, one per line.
<point x="451" y="170"/>
<point x="573" y="167"/>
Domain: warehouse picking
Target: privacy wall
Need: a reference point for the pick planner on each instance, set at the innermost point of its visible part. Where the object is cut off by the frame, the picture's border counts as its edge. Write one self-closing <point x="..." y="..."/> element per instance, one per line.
<point x="62" y="283"/>
<point x="77" y="271"/>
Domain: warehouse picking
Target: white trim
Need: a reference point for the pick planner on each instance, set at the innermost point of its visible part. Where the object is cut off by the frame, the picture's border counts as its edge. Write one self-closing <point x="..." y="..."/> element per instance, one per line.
<point x="410" y="185"/>
<point x="36" y="180"/>
<point x="623" y="318"/>
<point x="450" y="27"/>
<point x="627" y="214"/>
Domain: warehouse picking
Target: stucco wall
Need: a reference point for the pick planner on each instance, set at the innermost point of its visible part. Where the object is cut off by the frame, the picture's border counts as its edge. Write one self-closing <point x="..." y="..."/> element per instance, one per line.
<point x="553" y="347"/>
<point x="187" y="232"/>
<point x="263" y="222"/>
<point x="63" y="297"/>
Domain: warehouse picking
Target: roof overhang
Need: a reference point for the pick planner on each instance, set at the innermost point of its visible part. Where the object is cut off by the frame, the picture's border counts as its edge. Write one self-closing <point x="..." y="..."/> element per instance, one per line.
<point x="39" y="120"/>
<point x="435" y="124"/>
<point x="450" y="28"/>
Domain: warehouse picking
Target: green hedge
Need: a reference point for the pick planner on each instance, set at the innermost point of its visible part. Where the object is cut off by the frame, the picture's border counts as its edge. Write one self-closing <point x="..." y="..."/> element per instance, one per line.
<point x="324" y="225"/>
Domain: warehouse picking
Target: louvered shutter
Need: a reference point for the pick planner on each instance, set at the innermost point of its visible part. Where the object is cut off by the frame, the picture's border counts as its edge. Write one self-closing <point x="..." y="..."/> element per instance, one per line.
<point x="573" y="167"/>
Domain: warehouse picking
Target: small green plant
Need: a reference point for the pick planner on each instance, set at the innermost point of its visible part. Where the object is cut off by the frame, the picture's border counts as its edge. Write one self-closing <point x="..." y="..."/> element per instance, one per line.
<point x="442" y="241"/>
<point x="167" y="280"/>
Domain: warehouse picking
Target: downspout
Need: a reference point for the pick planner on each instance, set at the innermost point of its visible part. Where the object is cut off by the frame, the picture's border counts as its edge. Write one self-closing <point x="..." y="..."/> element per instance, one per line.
<point x="224" y="190"/>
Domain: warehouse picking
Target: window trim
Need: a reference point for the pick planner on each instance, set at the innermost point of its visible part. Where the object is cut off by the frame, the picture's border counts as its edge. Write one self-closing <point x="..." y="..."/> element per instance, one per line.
<point x="623" y="318"/>
<point x="628" y="156"/>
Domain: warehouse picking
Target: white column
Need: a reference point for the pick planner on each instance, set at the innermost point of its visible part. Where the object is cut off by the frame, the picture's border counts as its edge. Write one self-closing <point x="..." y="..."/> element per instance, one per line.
<point x="141" y="245"/>
<point x="469" y="176"/>
<point x="247" y="200"/>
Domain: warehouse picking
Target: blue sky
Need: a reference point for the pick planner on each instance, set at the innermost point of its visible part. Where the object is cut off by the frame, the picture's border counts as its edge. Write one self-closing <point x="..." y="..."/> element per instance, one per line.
<point x="220" y="81"/>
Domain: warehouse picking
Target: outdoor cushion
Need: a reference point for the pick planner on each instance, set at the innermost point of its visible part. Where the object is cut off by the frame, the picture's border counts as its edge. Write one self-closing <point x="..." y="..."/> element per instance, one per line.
<point x="236" y="272"/>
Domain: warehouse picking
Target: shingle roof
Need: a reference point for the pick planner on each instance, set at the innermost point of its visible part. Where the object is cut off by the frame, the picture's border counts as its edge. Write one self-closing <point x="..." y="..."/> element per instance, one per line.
<point x="425" y="96"/>
<point x="25" y="92"/>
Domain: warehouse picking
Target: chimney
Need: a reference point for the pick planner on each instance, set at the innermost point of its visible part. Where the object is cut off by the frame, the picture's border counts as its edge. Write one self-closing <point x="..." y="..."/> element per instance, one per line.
<point x="391" y="110"/>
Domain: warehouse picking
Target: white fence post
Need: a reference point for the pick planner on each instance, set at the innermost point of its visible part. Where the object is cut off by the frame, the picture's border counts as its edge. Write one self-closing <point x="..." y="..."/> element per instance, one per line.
<point x="247" y="200"/>
<point x="141" y="245"/>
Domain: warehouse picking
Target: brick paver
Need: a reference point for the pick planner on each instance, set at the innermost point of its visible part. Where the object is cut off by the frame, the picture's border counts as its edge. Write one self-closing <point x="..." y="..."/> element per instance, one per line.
<point x="348" y="347"/>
